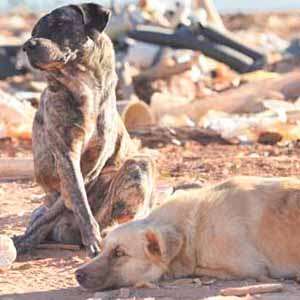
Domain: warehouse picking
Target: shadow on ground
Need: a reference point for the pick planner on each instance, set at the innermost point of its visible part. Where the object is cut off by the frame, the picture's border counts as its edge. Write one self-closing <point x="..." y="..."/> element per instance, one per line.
<point x="63" y="294"/>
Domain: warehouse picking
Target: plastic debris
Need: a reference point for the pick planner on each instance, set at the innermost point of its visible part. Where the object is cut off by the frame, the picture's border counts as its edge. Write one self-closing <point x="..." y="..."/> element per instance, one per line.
<point x="269" y="127"/>
<point x="8" y="253"/>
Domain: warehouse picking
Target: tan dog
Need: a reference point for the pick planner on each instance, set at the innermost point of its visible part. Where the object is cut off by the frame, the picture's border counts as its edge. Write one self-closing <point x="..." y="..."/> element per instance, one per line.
<point x="243" y="227"/>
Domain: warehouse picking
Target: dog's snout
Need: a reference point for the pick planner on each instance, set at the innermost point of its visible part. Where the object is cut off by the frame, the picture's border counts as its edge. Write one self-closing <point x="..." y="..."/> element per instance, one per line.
<point x="80" y="276"/>
<point x="29" y="45"/>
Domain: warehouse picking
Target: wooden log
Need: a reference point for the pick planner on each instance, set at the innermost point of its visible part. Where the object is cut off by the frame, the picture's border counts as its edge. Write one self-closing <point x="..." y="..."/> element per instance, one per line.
<point x="137" y="114"/>
<point x="213" y="15"/>
<point x="56" y="246"/>
<point x="155" y="135"/>
<point x="13" y="169"/>
<point x="161" y="71"/>
<point x="252" y="289"/>
<point x="247" y="98"/>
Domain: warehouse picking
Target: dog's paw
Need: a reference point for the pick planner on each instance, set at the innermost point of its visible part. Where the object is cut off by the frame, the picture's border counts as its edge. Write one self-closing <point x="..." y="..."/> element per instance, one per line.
<point x="93" y="250"/>
<point x="92" y="240"/>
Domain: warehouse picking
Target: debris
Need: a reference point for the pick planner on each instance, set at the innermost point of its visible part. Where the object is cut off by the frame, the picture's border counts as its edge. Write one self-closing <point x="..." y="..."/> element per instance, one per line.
<point x="278" y="123"/>
<point x="8" y="253"/>
<point x="22" y="267"/>
<point x="247" y="98"/>
<point x="120" y="23"/>
<point x="213" y="17"/>
<point x="124" y="293"/>
<point x="248" y="297"/>
<point x="8" y="60"/>
<point x="137" y="114"/>
<point x="253" y="289"/>
<point x="259" y="75"/>
<point x="176" y="121"/>
<point x="102" y="296"/>
<point x="178" y="282"/>
<point x="16" y="117"/>
<point x="209" y="281"/>
<point x="158" y="136"/>
<point x="243" y="127"/>
<point x="166" y="104"/>
<point x="55" y="246"/>
<point x="142" y="55"/>
<point x="217" y="45"/>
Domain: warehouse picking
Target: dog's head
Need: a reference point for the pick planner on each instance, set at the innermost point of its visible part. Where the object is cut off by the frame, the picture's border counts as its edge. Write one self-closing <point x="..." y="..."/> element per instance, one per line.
<point x="60" y="36"/>
<point x="133" y="253"/>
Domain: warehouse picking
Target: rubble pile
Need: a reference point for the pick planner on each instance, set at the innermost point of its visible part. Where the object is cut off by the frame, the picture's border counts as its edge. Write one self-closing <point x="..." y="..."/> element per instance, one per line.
<point x="168" y="86"/>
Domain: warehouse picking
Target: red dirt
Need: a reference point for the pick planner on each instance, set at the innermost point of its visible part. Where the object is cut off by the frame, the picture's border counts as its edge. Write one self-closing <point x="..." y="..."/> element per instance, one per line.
<point x="48" y="274"/>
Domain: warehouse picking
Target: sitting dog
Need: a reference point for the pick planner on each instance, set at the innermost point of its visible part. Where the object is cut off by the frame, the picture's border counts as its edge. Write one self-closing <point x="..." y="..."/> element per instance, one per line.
<point x="77" y="131"/>
<point x="243" y="227"/>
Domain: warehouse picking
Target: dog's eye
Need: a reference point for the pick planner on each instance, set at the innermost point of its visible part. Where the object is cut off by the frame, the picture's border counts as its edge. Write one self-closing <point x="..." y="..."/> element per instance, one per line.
<point x="118" y="252"/>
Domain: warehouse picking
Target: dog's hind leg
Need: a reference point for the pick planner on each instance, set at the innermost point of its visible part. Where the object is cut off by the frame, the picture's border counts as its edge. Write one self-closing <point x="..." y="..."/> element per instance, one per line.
<point x="131" y="192"/>
<point x="40" y="228"/>
<point x="117" y="195"/>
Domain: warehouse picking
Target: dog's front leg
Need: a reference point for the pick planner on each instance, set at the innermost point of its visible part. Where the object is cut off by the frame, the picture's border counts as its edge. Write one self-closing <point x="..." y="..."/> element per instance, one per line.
<point x="73" y="191"/>
<point x="67" y="153"/>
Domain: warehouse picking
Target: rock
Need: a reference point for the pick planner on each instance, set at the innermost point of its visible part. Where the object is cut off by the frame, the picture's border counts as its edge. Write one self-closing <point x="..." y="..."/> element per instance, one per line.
<point x="124" y="293"/>
<point x="269" y="138"/>
<point x="8" y="252"/>
<point x="102" y="296"/>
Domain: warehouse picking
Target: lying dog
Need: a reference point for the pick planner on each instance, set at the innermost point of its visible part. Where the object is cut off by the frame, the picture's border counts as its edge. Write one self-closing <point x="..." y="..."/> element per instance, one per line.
<point x="77" y="130"/>
<point x="243" y="227"/>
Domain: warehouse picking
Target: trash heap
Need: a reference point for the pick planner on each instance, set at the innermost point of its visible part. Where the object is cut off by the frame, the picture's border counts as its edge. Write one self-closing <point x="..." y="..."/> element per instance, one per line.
<point x="179" y="65"/>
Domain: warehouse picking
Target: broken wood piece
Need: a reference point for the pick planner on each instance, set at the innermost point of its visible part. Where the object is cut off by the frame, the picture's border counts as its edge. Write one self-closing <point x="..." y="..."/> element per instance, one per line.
<point x="252" y="289"/>
<point x="247" y="98"/>
<point x="154" y="135"/>
<point x="56" y="246"/>
<point x="137" y="114"/>
<point x="213" y="15"/>
<point x="12" y="168"/>
<point x="229" y="298"/>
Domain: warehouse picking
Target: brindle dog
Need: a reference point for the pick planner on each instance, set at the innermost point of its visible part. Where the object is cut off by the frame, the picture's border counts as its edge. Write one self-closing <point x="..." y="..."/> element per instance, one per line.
<point x="80" y="144"/>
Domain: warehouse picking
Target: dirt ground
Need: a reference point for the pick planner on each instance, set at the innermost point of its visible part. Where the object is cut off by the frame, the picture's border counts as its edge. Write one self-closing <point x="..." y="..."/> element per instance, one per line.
<point x="49" y="274"/>
<point x="45" y="274"/>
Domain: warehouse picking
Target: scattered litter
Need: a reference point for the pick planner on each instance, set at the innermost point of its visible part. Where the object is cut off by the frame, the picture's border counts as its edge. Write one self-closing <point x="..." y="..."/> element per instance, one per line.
<point x="8" y="253"/>
<point x="268" y="127"/>
<point x="253" y="289"/>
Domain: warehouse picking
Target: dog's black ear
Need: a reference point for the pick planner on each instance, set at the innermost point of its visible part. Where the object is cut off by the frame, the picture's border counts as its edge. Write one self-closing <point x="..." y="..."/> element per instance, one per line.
<point x="95" y="17"/>
<point x="164" y="244"/>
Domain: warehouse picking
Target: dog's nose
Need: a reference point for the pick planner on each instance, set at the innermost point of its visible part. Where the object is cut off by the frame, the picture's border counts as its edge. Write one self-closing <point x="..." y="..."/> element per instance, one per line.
<point x="29" y="45"/>
<point x="80" y="276"/>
